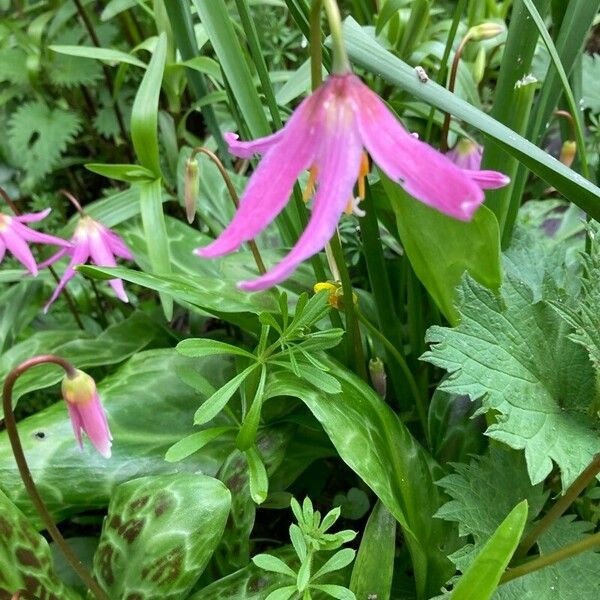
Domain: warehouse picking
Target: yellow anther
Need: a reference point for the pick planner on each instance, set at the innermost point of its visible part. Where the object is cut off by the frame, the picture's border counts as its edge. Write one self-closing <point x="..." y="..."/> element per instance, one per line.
<point x="363" y="171"/>
<point x="310" y="186"/>
<point x="336" y="293"/>
<point x="349" y="207"/>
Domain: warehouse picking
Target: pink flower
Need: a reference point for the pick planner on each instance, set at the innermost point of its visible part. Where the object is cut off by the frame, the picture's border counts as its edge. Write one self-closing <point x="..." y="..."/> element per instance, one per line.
<point x="327" y="133"/>
<point x="466" y="154"/>
<point x="14" y="237"/>
<point x="91" y="240"/>
<point x="86" y="411"/>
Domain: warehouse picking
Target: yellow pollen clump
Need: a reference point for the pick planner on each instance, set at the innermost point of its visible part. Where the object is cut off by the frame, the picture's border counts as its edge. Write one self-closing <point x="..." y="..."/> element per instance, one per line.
<point x="310" y="186"/>
<point x="363" y="171"/>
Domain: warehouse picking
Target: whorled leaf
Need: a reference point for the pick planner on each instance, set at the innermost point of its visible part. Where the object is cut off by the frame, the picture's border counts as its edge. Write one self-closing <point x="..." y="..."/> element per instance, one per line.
<point x="139" y="399"/>
<point x="159" y="535"/>
<point x="25" y="559"/>
<point x="514" y="354"/>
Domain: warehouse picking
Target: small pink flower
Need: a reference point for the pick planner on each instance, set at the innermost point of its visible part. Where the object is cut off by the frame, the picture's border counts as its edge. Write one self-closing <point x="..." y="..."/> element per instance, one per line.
<point x="14" y="237"/>
<point x="86" y="411"/>
<point x="326" y="134"/>
<point x="94" y="241"/>
<point x="466" y="154"/>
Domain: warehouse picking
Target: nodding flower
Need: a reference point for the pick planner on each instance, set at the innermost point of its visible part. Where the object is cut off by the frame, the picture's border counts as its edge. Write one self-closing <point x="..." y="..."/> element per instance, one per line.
<point x="328" y="134"/>
<point x="94" y="241"/>
<point x="14" y="235"/>
<point x="466" y="154"/>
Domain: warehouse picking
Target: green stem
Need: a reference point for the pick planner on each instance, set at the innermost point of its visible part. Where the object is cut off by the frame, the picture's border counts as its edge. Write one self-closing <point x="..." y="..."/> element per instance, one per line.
<point x="552" y="558"/>
<point x="401" y="361"/>
<point x="17" y="448"/>
<point x="340" y="63"/>
<point x="560" y="506"/>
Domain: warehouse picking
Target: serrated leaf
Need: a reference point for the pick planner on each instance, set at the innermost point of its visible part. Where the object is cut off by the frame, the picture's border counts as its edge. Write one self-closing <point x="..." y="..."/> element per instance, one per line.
<point x="159" y="535"/>
<point x="483" y="493"/>
<point x="25" y="558"/>
<point x="575" y="578"/>
<point x="38" y="135"/>
<point x="514" y="354"/>
<point x="13" y="66"/>
<point x="71" y="71"/>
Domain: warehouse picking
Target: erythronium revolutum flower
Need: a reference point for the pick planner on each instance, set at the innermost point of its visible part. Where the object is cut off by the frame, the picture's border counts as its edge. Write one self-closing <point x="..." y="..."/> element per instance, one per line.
<point x="14" y="235"/>
<point x="94" y="241"/>
<point x="466" y="154"/>
<point x="86" y="411"/>
<point x="327" y="134"/>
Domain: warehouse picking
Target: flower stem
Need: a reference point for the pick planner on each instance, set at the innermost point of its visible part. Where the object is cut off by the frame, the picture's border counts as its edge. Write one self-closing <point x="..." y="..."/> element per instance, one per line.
<point x="341" y="64"/>
<point x="234" y="197"/>
<point x="15" y="442"/>
<point x="451" y="85"/>
<point x="71" y="198"/>
<point x="552" y="558"/>
<point x="560" y="506"/>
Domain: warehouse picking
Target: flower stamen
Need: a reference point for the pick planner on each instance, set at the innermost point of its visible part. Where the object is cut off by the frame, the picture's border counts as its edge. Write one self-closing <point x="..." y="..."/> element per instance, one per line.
<point x="309" y="190"/>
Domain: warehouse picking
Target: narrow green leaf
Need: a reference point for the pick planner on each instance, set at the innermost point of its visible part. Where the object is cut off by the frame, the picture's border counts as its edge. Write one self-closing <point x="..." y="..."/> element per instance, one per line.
<point x="247" y="434"/>
<point x="284" y="593"/>
<point x="482" y="577"/>
<point x="374" y="566"/>
<point x="144" y="113"/>
<point x="273" y="564"/>
<point x="155" y="232"/>
<point x="198" y="347"/>
<point x="338" y="561"/>
<point x="336" y="591"/>
<point x="367" y="53"/>
<point x="129" y="173"/>
<point x="192" y="443"/>
<point x="258" y="479"/>
<point x="104" y="54"/>
<point x="213" y="405"/>
<point x="441" y="249"/>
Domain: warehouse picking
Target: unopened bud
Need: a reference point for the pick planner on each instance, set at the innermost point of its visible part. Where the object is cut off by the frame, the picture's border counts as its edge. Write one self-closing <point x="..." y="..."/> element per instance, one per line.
<point x="485" y="31"/>
<point x="78" y="389"/>
<point x="568" y="152"/>
<point x="190" y="188"/>
<point x="479" y="66"/>
<point x="336" y="293"/>
<point x="378" y="376"/>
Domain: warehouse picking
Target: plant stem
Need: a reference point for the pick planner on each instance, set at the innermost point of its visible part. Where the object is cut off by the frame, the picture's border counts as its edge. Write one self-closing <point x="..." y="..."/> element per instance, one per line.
<point x="234" y="197"/>
<point x="107" y="76"/>
<point x="552" y="558"/>
<point x="340" y="63"/>
<point x="15" y="442"/>
<point x="560" y="506"/>
<point x="401" y="363"/>
<point x="451" y="85"/>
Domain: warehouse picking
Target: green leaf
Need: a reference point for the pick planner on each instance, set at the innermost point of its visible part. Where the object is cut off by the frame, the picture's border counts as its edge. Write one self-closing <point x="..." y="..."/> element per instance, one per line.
<point x="338" y="561"/>
<point x="192" y="443"/>
<point x="115" y="344"/>
<point x="266" y="562"/>
<point x="374" y="566"/>
<point x="591" y="82"/>
<point x="25" y="558"/>
<point x="144" y="114"/>
<point x="159" y="535"/>
<point x="108" y="55"/>
<point x="575" y="578"/>
<point x="247" y="433"/>
<point x="38" y="135"/>
<point x="257" y="476"/>
<point x="376" y="445"/>
<point x="129" y="173"/>
<point x="514" y="354"/>
<point x="367" y="53"/>
<point x="155" y="233"/>
<point x="335" y="591"/>
<point x="441" y="249"/>
<point x="139" y="398"/>
<point x="19" y="305"/>
<point x="215" y="404"/>
<point x="199" y="347"/>
<point x="482" y="577"/>
<point x="284" y="593"/>
<point x="496" y="481"/>
<point x="219" y="28"/>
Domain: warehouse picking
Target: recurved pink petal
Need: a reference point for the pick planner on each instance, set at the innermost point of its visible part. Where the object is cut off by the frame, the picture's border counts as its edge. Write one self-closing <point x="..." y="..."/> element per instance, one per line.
<point x="53" y="258"/>
<point x="116" y="244"/>
<point x="2" y="249"/>
<point x="248" y="149"/>
<point x="488" y="180"/>
<point x="102" y="256"/>
<point x="270" y="185"/>
<point x="38" y="237"/>
<point x="33" y="217"/>
<point x="79" y="256"/>
<point x="338" y="163"/>
<point x="95" y="425"/>
<point x="424" y="172"/>
<point x="18" y="247"/>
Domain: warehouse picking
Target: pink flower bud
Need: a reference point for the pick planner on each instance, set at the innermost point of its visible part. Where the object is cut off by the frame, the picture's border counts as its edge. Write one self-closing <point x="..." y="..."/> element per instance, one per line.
<point x="86" y="411"/>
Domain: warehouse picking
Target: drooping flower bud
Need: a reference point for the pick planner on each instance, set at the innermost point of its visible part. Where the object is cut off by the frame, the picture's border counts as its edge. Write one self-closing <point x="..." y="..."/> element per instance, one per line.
<point x="568" y="152"/>
<point x="466" y="154"/>
<point x="190" y="188"/>
<point x="86" y="411"/>
<point x="485" y="31"/>
<point x="378" y="376"/>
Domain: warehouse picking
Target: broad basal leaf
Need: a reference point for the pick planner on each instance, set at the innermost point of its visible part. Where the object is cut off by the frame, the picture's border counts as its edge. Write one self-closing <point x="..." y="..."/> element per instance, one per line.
<point x="515" y="355"/>
<point x="25" y="558"/>
<point x="159" y="535"/>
